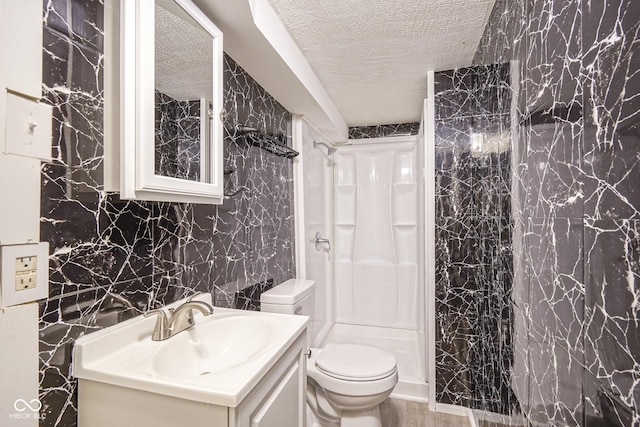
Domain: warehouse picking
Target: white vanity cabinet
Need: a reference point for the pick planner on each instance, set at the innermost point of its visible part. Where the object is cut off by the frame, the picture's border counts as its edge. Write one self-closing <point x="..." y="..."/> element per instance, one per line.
<point x="279" y="400"/>
<point x="121" y="383"/>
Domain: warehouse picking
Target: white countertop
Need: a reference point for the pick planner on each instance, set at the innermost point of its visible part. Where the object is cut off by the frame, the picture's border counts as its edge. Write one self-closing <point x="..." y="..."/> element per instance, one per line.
<point x="123" y="355"/>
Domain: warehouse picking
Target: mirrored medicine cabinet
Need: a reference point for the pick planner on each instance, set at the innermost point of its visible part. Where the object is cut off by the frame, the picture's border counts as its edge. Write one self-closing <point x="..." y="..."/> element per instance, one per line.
<point x="163" y="102"/>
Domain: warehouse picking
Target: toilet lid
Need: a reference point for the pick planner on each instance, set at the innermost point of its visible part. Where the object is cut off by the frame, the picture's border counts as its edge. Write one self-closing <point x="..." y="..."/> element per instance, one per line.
<point x="354" y="361"/>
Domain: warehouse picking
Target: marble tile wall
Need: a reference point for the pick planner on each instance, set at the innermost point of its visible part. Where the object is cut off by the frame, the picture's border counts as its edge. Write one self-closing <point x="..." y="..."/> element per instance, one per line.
<point x="575" y="79"/>
<point x="177" y="140"/>
<point x="379" y="131"/>
<point x="151" y="253"/>
<point x="474" y="276"/>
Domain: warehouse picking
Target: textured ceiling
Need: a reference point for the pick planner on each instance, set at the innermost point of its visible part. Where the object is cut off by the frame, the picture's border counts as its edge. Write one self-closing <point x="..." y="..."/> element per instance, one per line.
<point x="183" y="54"/>
<point x="372" y="56"/>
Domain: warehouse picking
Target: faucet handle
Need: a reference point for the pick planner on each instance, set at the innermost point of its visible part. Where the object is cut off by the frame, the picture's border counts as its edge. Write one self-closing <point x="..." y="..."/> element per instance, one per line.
<point x="161" y="330"/>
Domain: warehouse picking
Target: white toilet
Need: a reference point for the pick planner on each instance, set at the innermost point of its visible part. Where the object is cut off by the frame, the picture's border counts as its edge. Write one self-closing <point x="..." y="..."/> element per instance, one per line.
<point x="345" y="382"/>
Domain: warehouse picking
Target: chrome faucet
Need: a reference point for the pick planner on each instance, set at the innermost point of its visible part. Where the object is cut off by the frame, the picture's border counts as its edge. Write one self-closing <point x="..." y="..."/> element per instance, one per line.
<point x="178" y="320"/>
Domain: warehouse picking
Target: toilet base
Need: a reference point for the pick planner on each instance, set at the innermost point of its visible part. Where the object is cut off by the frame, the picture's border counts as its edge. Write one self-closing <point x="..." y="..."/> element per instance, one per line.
<point x="366" y="418"/>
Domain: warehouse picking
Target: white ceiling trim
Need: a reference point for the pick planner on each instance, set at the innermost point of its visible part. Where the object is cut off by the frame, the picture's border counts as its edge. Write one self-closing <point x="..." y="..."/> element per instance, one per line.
<point x="257" y="40"/>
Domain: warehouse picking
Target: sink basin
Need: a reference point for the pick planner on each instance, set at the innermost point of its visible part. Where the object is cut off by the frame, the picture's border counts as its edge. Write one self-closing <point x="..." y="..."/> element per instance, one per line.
<point x="213" y="346"/>
<point x="217" y="361"/>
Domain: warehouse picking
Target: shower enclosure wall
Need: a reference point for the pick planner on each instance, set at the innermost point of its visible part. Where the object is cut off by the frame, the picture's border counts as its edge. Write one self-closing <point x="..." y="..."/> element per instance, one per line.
<point x="375" y="246"/>
<point x="313" y="182"/>
<point x="377" y="229"/>
<point x="379" y="276"/>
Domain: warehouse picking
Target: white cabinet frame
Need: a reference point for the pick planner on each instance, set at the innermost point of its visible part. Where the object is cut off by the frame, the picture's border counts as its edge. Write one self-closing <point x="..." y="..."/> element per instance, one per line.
<point x="130" y="108"/>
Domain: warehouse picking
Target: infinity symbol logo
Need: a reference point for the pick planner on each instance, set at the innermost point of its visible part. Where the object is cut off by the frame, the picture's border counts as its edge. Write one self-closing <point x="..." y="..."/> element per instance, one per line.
<point x="21" y="405"/>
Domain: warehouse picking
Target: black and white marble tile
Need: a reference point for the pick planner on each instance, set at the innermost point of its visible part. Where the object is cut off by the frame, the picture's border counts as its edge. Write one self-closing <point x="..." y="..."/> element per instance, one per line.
<point x="380" y="131"/>
<point x="150" y="253"/>
<point x="612" y="335"/>
<point x="177" y="139"/>
<point x="575" y="70"/>
<point x="474" y="278"/>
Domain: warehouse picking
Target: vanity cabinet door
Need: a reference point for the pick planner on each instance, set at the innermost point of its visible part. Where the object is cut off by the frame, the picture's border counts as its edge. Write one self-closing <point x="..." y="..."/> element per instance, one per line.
<point x="280" y="398"/>
<point x="281" y="408"/>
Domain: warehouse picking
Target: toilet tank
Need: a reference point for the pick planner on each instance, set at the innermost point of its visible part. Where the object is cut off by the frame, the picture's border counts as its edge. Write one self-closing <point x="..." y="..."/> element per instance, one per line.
<point x="295" y="296"/>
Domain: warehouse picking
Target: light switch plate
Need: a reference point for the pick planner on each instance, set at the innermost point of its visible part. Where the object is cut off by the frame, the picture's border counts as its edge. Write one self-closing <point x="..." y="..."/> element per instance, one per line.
<point x="28" y="128"/>
<point x="36" y="286"/>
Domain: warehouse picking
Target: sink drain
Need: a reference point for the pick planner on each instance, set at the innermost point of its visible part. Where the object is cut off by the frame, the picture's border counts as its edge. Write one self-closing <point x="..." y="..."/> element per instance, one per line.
<point x="205" y="373"/>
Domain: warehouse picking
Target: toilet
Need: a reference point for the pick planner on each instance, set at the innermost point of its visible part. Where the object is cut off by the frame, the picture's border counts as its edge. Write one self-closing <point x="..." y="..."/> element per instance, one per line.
<point x="345" y="382"/>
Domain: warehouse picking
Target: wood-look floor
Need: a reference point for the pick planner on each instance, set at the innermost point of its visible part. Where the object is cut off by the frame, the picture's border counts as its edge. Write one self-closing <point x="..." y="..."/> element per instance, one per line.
<point x="404" y="413"/>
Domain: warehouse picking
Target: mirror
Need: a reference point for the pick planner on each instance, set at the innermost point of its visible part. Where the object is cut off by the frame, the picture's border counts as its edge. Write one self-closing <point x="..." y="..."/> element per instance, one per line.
<point x="169" y="92"/>
<point x="183" y="90"/>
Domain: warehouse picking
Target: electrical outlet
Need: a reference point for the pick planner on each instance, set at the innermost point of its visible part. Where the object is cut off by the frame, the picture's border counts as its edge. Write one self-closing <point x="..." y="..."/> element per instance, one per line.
<point x="26" y="264"/>
<point x="24" y="273"/>
<point x="27" y="280"/>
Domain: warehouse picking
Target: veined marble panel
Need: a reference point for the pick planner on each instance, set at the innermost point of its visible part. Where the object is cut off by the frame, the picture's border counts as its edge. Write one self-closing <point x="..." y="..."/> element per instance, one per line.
<point x="380" y="131"/>
<point x="474" y="277"/>
<point x="150" y="253"/>
<point x="177" y="139"/>
<point x="575" y="200"/>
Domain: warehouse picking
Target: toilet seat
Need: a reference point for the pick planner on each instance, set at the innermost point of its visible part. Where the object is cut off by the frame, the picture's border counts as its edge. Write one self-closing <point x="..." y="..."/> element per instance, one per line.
<point x="348" y="386"/>
<point x="355" y="362"/>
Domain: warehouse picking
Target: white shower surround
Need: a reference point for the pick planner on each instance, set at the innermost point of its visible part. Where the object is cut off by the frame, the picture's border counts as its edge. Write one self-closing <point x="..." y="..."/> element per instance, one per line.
<point x="313" y="187"/>
<point x="322" y="186"/>
<point x="377" y="233"/>
<point x="379" y="236"/>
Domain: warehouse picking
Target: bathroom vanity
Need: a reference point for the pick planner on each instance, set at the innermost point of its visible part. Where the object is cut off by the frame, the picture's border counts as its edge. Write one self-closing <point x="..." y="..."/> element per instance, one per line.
<point x="233" y="368"/>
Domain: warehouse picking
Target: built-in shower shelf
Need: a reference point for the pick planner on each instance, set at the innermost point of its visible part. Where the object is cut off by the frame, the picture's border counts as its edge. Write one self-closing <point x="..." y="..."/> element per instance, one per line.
<point x="408" y="185"/>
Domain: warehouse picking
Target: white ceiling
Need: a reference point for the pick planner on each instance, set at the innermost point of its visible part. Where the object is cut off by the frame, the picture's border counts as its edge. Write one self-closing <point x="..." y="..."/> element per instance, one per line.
<point x="372" y="56"/>
<point x="183" y="55"/>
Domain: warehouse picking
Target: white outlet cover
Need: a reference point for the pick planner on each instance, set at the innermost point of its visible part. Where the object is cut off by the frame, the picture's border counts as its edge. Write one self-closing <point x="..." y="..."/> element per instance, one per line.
<point x="9" y="296"/>
<point x="28" y="128"/>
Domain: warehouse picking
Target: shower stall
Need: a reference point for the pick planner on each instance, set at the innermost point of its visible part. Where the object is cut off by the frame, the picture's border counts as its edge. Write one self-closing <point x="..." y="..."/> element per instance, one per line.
<point x="366" y="199"/>
<point x="379" y="279"/>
